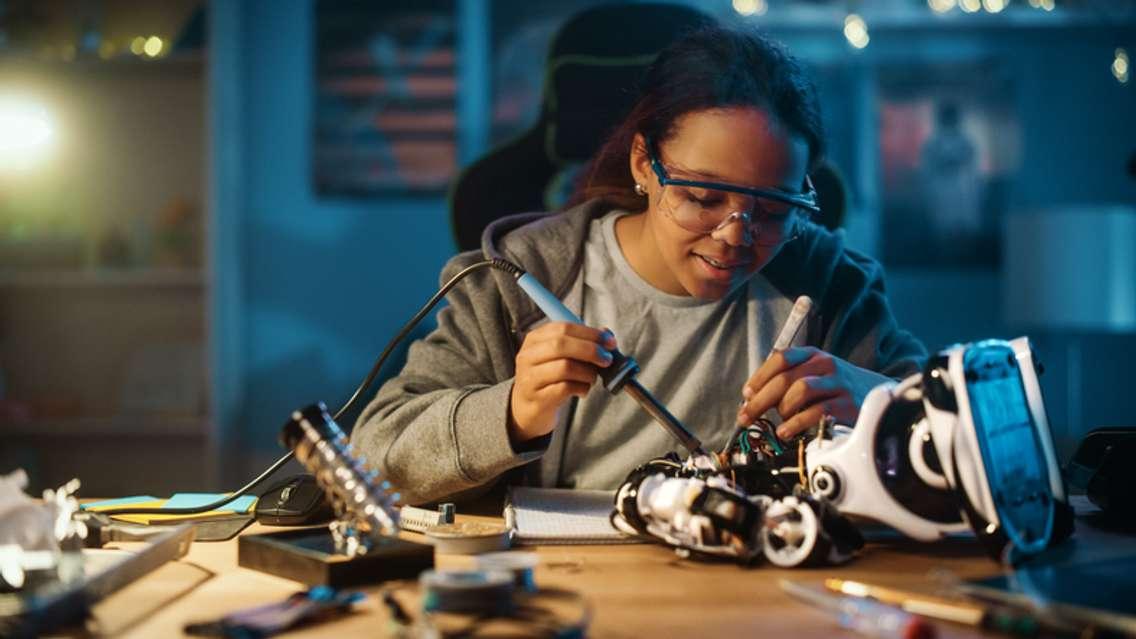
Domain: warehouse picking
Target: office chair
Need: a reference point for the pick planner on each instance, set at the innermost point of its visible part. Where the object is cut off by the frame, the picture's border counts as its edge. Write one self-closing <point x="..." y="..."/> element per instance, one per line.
<point x="593" y="65"/>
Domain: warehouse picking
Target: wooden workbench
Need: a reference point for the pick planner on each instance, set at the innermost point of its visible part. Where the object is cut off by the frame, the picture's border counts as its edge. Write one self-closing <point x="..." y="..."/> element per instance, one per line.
<point x="634" y="590"/>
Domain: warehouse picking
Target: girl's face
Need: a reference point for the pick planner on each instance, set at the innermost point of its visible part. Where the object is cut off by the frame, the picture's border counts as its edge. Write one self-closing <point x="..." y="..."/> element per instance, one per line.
<point x="742" y="146"/>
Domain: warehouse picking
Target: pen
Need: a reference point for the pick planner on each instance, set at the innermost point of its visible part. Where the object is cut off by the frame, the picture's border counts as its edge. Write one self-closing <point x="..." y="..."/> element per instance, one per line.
<point x="864" y="616"/>
<point x="928" y="605"/>
<point x="939" y="607"/>
<point x="792" y="326"/>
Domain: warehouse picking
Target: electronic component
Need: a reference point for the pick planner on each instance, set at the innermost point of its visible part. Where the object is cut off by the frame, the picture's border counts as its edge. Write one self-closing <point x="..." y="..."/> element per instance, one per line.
<point x="964" y="445"/>
<point x="417" y="519"/>
<point x="703" y="511"/>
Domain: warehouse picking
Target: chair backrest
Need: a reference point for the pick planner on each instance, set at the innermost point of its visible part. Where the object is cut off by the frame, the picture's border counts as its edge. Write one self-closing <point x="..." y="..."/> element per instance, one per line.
<point x="593" y="66"/>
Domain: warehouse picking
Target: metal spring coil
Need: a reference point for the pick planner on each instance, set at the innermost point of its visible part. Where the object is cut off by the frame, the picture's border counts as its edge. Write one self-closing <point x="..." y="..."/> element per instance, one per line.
<point x="321" y="446"/>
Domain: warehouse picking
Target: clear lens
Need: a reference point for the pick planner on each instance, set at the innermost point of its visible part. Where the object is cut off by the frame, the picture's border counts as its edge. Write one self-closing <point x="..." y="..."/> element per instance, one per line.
<point x="702" y="210"/>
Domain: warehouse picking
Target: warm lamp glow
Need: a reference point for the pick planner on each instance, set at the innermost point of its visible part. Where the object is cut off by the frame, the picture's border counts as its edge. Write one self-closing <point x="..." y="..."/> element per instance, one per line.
<point x="26" y="133"/>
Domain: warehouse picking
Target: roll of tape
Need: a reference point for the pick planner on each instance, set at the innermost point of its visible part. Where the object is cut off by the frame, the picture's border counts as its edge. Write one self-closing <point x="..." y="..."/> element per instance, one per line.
<point x="518" y="564"/>
<point x="480" y="592"/>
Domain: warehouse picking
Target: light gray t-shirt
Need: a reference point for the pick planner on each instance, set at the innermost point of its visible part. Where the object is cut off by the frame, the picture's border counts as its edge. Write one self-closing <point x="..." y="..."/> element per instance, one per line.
<point x="695" y="355"/>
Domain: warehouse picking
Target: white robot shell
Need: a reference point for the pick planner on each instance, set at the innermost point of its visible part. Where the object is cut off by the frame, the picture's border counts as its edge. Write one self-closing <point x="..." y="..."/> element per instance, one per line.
<point x="868" y="471"/>
<point x="952" y="416"/>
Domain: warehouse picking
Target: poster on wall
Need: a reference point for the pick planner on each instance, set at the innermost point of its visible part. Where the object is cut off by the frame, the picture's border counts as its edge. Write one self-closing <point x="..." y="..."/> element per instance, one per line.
<point x="384" y="118"/>
<point x="949" y="151"/>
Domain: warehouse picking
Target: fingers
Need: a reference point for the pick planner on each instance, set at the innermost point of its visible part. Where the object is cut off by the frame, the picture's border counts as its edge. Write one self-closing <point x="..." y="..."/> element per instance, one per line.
<point x="778" y="362"/>
<point x="564" y="340"/>
<point x="535" y="378"/>
<point x="558" y="392"/>
<point x="802" y="421"/>
<point x="842" y="407"/>
<point x="570" y="329"/>
<point x="805" y="392"/>
<point x="793" y="366"/>
<point x="557" y="360"/>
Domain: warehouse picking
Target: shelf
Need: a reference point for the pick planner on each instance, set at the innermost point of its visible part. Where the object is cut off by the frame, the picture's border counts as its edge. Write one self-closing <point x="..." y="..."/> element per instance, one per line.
<point x="103" y="278"/>
<point x="146" y="426"/>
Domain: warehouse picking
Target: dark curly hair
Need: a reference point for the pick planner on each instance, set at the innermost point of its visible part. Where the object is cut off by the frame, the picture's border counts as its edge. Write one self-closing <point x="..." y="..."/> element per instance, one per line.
<point x="713" y="67"/>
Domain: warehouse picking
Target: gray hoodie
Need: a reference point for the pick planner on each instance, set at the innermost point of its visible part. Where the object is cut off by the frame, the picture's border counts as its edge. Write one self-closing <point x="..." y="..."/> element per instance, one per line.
<point x="438" y="429"/>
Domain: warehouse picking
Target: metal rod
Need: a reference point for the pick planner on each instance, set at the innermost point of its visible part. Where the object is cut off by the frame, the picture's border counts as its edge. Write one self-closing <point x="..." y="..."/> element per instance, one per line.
<point x="663" y="416"/>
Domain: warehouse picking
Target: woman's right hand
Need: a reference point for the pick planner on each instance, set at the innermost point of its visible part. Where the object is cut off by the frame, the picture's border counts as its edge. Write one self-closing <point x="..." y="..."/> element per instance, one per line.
<point x="557" y="360"/>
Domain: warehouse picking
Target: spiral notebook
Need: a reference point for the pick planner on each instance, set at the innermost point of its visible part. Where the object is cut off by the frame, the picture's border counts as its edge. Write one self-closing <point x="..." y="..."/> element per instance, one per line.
<point x="556" y="516"/>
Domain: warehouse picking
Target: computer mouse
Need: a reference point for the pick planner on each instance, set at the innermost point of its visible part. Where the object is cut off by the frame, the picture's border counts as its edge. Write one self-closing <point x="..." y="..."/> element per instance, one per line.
<point x="295" y="501"/>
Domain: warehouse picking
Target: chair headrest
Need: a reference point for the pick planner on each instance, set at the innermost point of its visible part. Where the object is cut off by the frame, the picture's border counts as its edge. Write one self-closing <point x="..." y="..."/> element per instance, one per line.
<point x="594" y="64"/>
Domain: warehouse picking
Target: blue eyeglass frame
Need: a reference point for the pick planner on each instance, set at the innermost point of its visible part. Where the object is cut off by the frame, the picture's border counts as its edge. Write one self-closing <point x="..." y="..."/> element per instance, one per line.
<point x="806" y="200"/>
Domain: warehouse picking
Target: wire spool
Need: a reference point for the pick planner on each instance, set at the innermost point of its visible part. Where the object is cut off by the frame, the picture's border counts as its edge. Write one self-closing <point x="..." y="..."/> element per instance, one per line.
<point x="518" y="564"/>
<point x="468" y="538"/>
<point x="478" y="592"/>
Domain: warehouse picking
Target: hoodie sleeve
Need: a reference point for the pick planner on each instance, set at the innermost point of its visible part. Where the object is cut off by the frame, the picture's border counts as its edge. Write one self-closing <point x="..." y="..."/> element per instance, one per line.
<point x="860" y="324"/>
<point x="854" y="321"/>
<point x="439" y="427"/>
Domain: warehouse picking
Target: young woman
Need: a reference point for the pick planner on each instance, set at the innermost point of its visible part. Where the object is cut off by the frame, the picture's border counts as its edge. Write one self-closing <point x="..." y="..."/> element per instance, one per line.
<point x="690" y="242"/>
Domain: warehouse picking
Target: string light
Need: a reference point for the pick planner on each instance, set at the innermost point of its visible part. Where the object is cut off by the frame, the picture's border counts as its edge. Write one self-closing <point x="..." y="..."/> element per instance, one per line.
<point x="153" y="46"/>
<point x="138" y="45"/>
<point x="750" y="7"/>
<point x="1120" y="66"/>
<point x="994" y="6"/>
<point x="856" y="31"/>
<point x="942" y="6"/>
<point x="970" y="6"/>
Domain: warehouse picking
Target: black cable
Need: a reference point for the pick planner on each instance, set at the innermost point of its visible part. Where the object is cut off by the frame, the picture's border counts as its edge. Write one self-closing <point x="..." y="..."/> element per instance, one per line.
<point x="497" y="263"/>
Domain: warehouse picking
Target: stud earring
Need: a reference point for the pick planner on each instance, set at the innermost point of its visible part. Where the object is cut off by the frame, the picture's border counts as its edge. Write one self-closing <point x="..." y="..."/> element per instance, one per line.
<point x="639" y="190"/>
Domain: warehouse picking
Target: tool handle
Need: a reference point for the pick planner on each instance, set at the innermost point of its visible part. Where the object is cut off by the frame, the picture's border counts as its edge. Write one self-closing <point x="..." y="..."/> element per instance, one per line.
<point x="622" y="367"/>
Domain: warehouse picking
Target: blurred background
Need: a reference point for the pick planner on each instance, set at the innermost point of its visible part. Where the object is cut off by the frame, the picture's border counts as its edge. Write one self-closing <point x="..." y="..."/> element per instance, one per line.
<point x="213" y="213"/>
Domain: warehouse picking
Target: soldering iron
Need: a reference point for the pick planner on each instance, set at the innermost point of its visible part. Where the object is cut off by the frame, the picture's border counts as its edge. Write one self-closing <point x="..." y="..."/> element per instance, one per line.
<point x="620" y="374"/>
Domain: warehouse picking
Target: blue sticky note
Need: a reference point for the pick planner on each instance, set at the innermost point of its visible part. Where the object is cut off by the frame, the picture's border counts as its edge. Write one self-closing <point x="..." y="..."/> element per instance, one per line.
<point x="121" y="501"/>
<point x="193" y="500"/>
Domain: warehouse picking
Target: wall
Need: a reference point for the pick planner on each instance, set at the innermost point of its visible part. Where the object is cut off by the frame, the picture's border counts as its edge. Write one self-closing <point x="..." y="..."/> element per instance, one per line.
<point x="1078" y="131"/>
<point x="1077" y="134"/>
<point x="324" y="283"/>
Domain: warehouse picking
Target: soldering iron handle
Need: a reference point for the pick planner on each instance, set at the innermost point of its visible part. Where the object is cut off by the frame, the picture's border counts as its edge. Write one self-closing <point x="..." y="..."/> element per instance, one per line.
<point x="542" y="297"/>
<point x="616" y="375"/>
<point x="622" y="367"/>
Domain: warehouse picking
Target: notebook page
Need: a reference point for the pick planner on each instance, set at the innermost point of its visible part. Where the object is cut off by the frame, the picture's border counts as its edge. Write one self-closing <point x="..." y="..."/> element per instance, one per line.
<point x="559" y="516"/>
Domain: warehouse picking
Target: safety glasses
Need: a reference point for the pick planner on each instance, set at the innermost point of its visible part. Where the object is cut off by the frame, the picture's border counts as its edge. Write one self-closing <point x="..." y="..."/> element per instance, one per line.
<point x="769" y="216"/>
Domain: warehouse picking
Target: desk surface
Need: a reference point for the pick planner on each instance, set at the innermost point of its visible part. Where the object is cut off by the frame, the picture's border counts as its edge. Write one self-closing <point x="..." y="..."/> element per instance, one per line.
<point x="635" y="590"/>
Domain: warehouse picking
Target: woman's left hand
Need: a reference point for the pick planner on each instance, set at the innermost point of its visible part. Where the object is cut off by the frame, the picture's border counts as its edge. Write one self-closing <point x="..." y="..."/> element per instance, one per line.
<point x="805" y="384"/>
